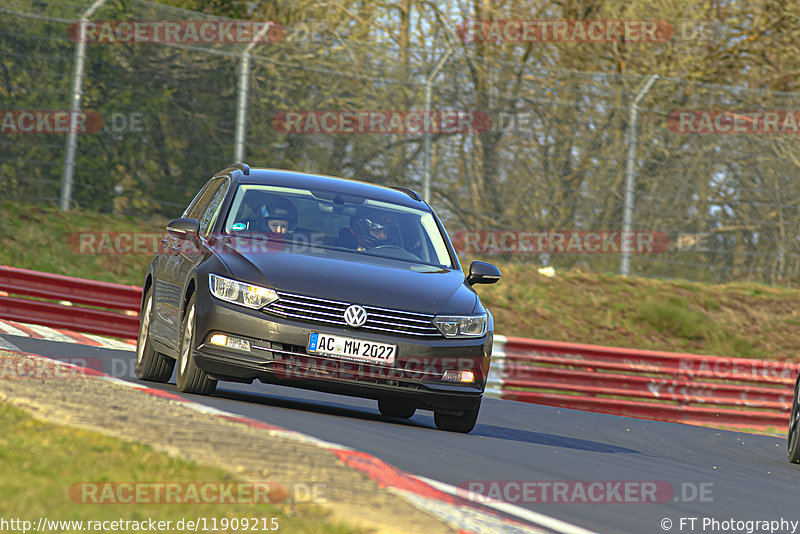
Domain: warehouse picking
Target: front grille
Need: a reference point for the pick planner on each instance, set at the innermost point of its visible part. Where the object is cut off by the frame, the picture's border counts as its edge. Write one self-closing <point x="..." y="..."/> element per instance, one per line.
<point x="318" y="310"/>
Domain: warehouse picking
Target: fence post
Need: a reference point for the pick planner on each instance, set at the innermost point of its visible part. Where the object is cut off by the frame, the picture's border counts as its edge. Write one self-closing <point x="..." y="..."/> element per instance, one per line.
<point x="426" y="180"/>
<point x="75" y="106"/>
<point x="243" y="92"/>
<point x="630" y="179"/>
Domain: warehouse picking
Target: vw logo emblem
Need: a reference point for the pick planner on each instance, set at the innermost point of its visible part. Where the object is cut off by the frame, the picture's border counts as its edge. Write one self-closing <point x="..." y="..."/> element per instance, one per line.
<point x="355" y="315"/>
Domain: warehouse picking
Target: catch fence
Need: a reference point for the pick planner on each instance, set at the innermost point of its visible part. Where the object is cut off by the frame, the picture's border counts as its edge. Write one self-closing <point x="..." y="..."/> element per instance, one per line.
<point x="543" y="149"/>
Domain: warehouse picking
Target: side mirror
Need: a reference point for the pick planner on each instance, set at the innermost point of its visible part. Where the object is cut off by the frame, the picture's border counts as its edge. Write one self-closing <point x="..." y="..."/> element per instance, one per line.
<point x="184" y="228"/>
<point x="481" y="272"/>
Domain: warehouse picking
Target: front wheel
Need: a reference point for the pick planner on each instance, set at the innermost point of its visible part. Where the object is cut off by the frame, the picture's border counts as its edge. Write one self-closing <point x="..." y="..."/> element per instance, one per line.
<point x="191" y="379"/>
<point x="150" y="365"/>
<point x="793" y="440"/>
<point x="463" y="423"/>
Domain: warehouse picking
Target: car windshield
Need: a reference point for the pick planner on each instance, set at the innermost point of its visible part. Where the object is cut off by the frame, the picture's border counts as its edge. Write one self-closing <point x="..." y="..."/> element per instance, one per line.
<point x="313" y="219"/>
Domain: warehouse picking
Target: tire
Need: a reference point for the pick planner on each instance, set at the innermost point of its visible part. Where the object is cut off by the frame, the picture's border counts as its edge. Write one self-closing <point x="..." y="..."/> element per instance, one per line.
<point x="793" y="439"/>
<point x="457" y="423"/>
<point x="190" y="378"/>
<point x="393" y="408"/>
<point x="150" y="365"/>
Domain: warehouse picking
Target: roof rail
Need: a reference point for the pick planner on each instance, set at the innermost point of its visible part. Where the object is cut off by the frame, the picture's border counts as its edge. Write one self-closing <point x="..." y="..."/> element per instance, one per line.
<point x="410" y="192"/>
<point x="244" y="167"/>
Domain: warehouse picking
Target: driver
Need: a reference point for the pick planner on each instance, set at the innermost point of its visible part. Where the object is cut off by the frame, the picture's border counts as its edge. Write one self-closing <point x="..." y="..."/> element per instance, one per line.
<point x="375" y="231"/>
<point x="280" y="216"/>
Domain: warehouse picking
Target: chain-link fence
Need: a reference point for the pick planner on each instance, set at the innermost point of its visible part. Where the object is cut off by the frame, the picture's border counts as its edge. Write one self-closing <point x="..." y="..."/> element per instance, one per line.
<point x="538" y="150"/>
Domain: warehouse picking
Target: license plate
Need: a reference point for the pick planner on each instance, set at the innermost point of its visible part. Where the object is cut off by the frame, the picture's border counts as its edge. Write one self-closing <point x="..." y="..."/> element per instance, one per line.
<point x="351" y="349"/>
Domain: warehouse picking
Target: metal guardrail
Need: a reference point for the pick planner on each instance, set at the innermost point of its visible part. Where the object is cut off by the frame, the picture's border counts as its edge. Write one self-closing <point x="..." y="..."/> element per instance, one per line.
<point x="663" y="386"/>
<point x="685" y="388"/>
<point x="114" y="299"/>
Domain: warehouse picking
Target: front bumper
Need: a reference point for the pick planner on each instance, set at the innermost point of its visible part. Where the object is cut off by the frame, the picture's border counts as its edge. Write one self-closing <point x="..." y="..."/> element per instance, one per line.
<point x="278" y="356"/>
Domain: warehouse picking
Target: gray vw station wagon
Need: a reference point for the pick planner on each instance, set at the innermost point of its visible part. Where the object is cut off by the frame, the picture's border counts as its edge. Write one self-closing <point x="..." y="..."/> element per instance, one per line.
<point x="320" y="283"/>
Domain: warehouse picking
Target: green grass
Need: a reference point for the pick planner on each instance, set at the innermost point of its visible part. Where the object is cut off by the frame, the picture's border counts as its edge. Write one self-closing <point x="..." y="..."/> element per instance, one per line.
<point x="673" y="317"/>
<point x="46" y="239"/>
<point x="40" y="462"/>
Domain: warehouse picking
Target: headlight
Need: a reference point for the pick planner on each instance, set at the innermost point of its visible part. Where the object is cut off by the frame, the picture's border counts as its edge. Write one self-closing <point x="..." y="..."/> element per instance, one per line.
<point x="240" y="293"/>
<point x="461" y="326"/>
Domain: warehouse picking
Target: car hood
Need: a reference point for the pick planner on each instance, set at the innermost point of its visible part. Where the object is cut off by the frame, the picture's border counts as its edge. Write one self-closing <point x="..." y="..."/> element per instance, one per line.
<point x="360" y="279"/>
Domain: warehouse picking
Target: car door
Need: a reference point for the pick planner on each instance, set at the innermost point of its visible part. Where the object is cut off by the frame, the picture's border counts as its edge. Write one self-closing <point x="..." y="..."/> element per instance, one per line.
<point x="165" y="291"/>
<point x="187" y="254"/>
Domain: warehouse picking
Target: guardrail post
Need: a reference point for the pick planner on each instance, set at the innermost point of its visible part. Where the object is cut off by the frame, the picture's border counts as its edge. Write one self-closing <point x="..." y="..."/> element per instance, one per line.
<point x="494" y="382"/>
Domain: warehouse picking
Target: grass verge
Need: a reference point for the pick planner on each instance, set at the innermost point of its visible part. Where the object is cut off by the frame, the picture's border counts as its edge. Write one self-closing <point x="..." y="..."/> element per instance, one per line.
<point x="42" y="461"/>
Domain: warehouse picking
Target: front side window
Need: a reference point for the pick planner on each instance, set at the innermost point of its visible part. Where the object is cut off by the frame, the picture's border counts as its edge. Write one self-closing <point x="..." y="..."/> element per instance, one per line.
<point x="200" y="202"/>
<point x="329" y="220"/>
<point x="209" y="215"/>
